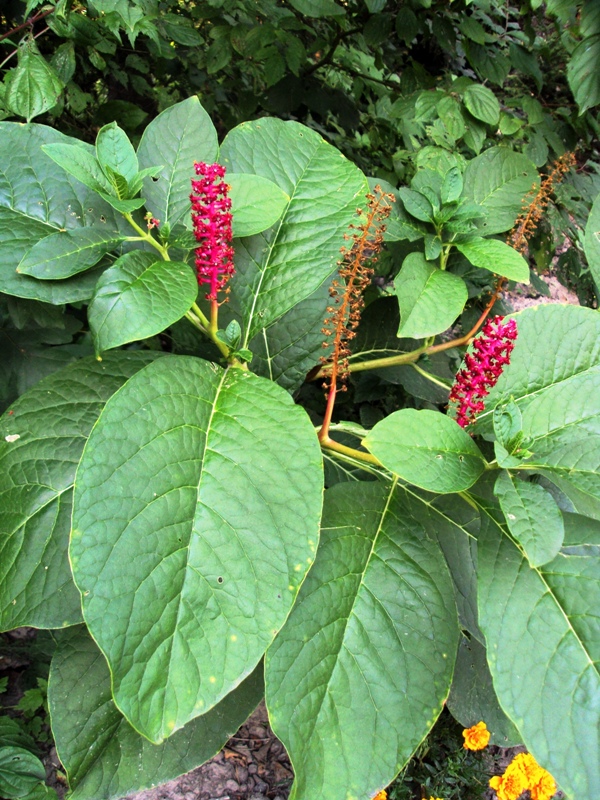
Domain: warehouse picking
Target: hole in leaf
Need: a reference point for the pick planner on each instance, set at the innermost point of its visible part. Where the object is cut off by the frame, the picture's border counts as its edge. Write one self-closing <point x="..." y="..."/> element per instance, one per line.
<point x="219" y="579"/>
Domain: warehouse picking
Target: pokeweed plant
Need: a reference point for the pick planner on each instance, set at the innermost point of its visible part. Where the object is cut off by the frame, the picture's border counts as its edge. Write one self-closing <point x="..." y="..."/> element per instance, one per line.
<point x="164" y="513"/>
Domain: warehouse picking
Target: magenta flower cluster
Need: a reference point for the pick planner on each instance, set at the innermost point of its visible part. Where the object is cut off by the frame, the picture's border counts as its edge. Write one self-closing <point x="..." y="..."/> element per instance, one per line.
<point x="483" y="367"/>
<point x="211" y="216"/>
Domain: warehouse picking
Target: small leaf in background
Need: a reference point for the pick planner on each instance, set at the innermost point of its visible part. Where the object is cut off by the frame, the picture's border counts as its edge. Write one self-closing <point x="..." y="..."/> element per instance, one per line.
<point x="497" y="257"/>
<point x="583" y="73"/>
<point x="256" y="203"/>
<point x="34" y="86"/>
<point x="592" y="241"/>
<point x="318" y="8"/>
<point x="123" y="206"/>
<point x="508" y="424"/>
<point x="138" y="297"/>
<point x="114" y="150"/>
<point x="416" y="204"/>
<point x="482" y="103"/>
<point x="81" y="164"/>
<point x="67" y="253"/>
<point x="433" y="247"/>
<point x="428" y="449"/>
<point x="498" y="180"/>
<point x="20" y="770"/>
<point x="532" y="517"/>
<point x="452" y="186"/>
<point x="430" y="299"/>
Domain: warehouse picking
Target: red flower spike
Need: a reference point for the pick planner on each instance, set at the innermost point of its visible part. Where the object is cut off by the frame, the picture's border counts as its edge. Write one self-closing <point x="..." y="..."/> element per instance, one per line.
<point x="212" y="218"/>
<point x="483" y="367"/>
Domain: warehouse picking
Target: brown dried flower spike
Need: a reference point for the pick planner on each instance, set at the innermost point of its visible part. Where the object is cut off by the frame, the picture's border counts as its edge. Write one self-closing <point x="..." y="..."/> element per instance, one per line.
<point x="355" y="274"/>
<point x="533" y="211"/>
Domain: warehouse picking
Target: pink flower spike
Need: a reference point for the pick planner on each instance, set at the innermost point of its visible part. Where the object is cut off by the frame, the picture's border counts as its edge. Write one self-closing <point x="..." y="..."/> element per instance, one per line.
<point x="483" y="366"/>
<point x="212" y="218"/>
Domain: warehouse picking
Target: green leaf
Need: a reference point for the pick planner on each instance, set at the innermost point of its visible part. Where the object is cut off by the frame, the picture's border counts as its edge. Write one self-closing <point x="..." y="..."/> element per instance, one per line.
<point x="430" y="299"/>
<point x="38" y="198"/>
<point x="288" y="349"/>
<point x="287" y="263"/>
<point x="256" y="203"/>
<point x="229" y="522"/>
<point x="48" y="425"/>
<point x="105" y="758"/>
<point x="488" y="62"/>
<point x="508" y="424"/>
<point x="136" y="183"/>
<point x="592" y="241"/>
<point x="123" y="206"/>
<point x="114" y="150"/>
<point x="474" y="30"/>
<point x="20" y="770"/>
<point x="360" y="670"/>
<point x="428" y="449"/>
<point x="499" y="180"/>
<point x="558" y="399"/>
<point x="532" y="517"/>
<point x="79" y="162"/>
<point x="67" y="253"/>
<point x="14" y="734"/>
<point x="472" y="697"/>
<point x="452" y="186"/>
<point x="482" y="103"/>
<point x="416" y="204"/>
<point x="318" y="8"/>
<point x="583" y="73"/>
<point x="178" y="137"/>
<point x="498" y="257"/>
<point x="139" y="297"/>
<point x="34" y="86"/>
<point x="541" y="628"/>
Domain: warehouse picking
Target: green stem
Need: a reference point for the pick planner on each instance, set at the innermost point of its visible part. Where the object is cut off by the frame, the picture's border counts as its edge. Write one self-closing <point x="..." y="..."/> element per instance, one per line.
<point x="444" y="256"/>
<point x="430" y="377"/>
<point x="387" y="361"/>
<point x="468" y="499"/>
<point x="147" y="237"/>
<point x="329" y="444"/>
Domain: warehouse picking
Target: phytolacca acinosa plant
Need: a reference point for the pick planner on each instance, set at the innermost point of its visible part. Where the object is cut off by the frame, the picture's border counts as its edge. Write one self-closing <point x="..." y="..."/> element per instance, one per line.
<point x="483" y="367"/>
<point x="346" y="293"/>
<point x="211" y="217"/>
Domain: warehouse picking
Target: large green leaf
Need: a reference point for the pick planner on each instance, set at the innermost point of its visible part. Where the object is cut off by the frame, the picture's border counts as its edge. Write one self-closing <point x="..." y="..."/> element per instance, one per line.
<point x="193" y="526"/>
<point x="82" y="164"/>
<point x="430" y="299"/>
<point x="286" y="264"/>
<point x="592" y="242"/>
<point x="360" y="671"/>
<point x="543" y="639"/>
<point x="287" y="350"/>
<point x="66" y="253"/>
<point x="472" y="697"/>
<point x="139" y="297"/>
<point x="38" y="198"/>
<point x="428" y="449"/>
<point x="256" y="203"/>
<point x="532" y="517"/>
<point x="583" y="72"/>
<point x="41" y="440"/>
<point x="496" y="256"/>
<point x="105" y="758"/>
<point x="177" y="138"/>
<point x="499" y="180"/>
<point x="34" y="86"/>
<point x="554" y="377"/>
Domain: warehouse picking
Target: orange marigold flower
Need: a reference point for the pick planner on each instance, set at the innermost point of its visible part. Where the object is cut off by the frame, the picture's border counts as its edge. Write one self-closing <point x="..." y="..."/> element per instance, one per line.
<point x="381" y="795"/>
<point x="511" y="785"/>
<point x="476" y="737"/>
<point x="524" y="774"/>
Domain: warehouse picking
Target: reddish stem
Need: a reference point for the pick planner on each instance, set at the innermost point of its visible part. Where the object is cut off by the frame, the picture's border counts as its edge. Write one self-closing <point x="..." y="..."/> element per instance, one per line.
<point x="28" y="23"/>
